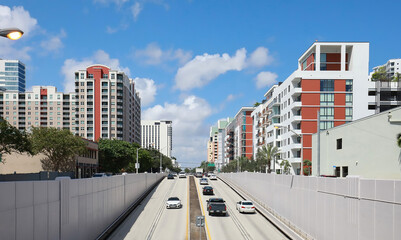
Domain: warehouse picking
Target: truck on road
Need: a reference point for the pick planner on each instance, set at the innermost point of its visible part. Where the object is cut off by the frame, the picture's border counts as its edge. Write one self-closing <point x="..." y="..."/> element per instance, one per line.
<point x="199" y="172"/>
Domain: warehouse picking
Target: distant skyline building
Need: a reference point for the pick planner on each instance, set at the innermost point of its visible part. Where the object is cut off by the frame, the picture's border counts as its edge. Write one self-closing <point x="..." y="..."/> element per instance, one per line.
<point x="108" y="106"/>
<point x="240" y="134"/>
<point x="12" y="75"/>
<point x="157" y="134"/>
<point x="387" y="94"/>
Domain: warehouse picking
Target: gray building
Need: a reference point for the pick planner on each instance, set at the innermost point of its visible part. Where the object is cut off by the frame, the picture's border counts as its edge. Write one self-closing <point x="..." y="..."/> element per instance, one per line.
<point x="12" y="75"/>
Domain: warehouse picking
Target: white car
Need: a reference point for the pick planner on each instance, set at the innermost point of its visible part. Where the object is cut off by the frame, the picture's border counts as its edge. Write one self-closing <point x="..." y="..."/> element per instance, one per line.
<point x="245" y="207"/>
<point x="173" y="202"/>
<point x="213" y="177"/>
<point x="203" y="181"/>
<point x="182" y="175"/>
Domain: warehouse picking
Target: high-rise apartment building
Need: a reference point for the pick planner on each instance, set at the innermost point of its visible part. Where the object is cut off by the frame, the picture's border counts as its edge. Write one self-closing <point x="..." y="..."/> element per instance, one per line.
<point x="107" y="105"/>
<point x="41" y="107"/>
<point x="212" y="145"/>
<point x="331" y="82"/>
<point x="239" y="136"/>
<point x="157" y="134"/>
<point x="217" y="142"/>
<point x="387" y="92"/>
<point x="12" y="75"/>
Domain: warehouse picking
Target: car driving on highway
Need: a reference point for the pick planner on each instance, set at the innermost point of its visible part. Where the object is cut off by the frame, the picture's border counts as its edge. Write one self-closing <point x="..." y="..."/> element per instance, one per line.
<point x="173" y="202"/>
<point x="203" y="181"/>
<point x="207" y="190"/>
<point x="245" y="207"/>
<point x="212" y="177"/>
<point x="182" y="175"/>
<point x="170" y="176"/>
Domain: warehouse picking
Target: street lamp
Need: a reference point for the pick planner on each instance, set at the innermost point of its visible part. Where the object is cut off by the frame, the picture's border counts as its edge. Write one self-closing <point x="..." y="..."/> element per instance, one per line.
<point x="302" y="146"/>
<point x="11" y="33"/>
<point x="137" y="164"/>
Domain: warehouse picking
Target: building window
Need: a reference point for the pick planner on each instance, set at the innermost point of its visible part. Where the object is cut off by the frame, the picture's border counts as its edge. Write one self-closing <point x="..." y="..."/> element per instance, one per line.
<point x="348" y="99"/>
<point x="327" y="85"/>
<point x="90" y="75"/>
<point x="105" y="76"/>
<point x="113" y="76"/>
<point x="327" y="99"/>
<point x="327" y="113"/>
<point x="348" y="113"/>
<point x="82" y="75"/>
<point x="348" y="85"/>
<point x="326" y="125"/>
<point x="339" y="143"/>
<point x="323" y="62"/>
<point x="82" y="83"/>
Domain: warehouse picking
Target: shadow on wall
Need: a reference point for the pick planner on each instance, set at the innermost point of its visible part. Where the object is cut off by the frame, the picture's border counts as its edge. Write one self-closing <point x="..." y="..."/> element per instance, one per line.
<point x="43" y="175"/>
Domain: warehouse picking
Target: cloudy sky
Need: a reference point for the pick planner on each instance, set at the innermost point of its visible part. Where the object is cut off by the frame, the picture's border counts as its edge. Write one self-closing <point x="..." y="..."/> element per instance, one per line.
<point x="194" y="61"/>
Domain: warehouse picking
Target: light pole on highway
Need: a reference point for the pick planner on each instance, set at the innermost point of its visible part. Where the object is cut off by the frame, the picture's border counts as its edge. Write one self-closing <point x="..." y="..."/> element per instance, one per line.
<point x="137" y="164"/>
<point x="11" y="33"/>
<point x="300" y="136"/>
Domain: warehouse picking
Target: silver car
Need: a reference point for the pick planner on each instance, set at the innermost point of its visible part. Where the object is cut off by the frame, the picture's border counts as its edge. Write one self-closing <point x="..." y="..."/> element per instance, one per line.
<point x="245" y="207"/>
<point x="203" y="181"/>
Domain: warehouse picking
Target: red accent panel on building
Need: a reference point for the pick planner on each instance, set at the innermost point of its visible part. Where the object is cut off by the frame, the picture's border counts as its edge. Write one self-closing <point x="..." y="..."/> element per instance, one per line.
<point x="339" y="113"/>
<point x="310" y="60"/>
<point x="309" y="112"/>
<point x="333" y="61"/>
<point x="43" y="92"/>
<point x="310" y="99"/>
<point x="97" y="72"/>
<point x="338" y="123"/>
<point x="310" y="85"/>
<point x="339" y="85"/>
<point x="307" y="154"/>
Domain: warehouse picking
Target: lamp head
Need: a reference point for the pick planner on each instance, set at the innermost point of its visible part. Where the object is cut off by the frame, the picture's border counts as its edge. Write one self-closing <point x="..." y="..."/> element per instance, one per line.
<point x="11" y="33"/>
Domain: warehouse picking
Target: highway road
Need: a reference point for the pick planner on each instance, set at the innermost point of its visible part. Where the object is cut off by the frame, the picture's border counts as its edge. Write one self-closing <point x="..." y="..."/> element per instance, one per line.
<point x="151" y="220"/>
<point x="235" y="225"/>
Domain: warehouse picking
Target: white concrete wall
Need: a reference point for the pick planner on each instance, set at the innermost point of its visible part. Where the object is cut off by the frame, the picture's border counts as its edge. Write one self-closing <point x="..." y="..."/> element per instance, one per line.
<point x="67" y="209"/>
<point x="328" y="208"/>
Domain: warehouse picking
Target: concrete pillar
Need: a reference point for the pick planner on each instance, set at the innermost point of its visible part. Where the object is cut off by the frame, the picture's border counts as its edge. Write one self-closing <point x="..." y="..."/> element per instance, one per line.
<point x="343" y="57"/>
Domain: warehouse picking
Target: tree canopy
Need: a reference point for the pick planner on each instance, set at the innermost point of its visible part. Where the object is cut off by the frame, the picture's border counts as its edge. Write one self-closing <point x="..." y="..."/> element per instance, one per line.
<point x="13" y="140"/>
<point x="59" y="146"/>
<point x="265" y="155"/>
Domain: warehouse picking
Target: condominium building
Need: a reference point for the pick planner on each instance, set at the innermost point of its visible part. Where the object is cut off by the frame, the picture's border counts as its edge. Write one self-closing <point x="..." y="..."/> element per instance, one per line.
<point x="239" y="136"/>
<point x="41" y="107"/>
<point x="157" y="134"/>
<point x="216" y="143"/>
<point x="330" y="83"/>
<point x="12" y="75"/>
<point x="108" y="105"/>
<point x="387" y="93"/>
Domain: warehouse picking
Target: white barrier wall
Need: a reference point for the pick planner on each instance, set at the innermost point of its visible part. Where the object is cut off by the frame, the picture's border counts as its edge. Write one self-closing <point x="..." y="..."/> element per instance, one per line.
<point x="68" y="209"/>
<point x="328" y="208"/>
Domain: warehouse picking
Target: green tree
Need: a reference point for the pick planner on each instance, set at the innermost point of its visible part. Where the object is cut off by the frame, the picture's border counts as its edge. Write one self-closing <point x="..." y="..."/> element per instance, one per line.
<point x="380" y="75"/>
<point x="59" y="146"/>
<point x="265" y="155"/>
<point x="256" y="104"/>
<point x="13" y="140"/>
<point x="307" y="167"/>
<point x="116" y="155"/>
<point x="286" y="166"/>
<point x="187" y="170"/>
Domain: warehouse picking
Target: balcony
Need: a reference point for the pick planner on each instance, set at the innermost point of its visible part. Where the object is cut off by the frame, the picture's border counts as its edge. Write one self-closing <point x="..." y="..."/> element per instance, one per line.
<point x="296" y="92"/>
<point x="297" y="118"/>
<point x="296" y="104"/>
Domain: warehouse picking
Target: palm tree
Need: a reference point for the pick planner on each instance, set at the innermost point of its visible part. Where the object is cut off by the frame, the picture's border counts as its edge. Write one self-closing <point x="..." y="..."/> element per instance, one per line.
<point x="265" y="156"/>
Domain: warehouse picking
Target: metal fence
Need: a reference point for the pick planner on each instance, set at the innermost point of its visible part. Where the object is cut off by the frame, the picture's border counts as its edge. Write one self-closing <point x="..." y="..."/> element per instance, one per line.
<point x="67" y="209"/>
<point x="328" y="208"/>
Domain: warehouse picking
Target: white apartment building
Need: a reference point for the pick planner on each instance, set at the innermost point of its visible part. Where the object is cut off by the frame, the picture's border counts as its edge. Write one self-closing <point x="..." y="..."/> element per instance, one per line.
<point x="41" y="107"/>
<point x="216" y="143"/>
<point x="157" y="134"/>
<point x="331" y="82"/>
<point x="12" y="75"/>
<point x="387" y="94"/>
<point x="108" y="105"/>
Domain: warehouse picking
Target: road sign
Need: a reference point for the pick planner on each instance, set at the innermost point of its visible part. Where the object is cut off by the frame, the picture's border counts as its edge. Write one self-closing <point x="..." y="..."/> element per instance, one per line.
<point x="210" y="165"/>
<point x="136" y="165"/>
<point x="200" y="221"/>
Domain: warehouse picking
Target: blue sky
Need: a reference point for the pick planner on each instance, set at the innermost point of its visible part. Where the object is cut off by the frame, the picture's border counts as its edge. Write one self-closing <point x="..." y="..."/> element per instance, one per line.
<point x="196" y="61"/>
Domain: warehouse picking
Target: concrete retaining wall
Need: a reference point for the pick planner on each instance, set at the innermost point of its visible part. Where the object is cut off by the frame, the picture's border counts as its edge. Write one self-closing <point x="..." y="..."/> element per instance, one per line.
<point x="67" y="209"/>
<point x="328" y="208"/>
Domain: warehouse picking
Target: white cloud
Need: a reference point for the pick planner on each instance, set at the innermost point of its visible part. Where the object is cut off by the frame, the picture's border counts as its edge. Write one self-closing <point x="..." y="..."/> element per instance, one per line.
<point x="232" y="97"/>
<point x="203" y="69"/>
<point x="54" y="44"/>
<point x="107" y="2"/>
<point x="147" y="90"/>
<point x="99" y="57"/>
<point x="136" y="9"/>
<point x="154" y="55"/>
<point x="189" y="131"/>
<point x="260" y="57"/>
<point x="264" y="79"/>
